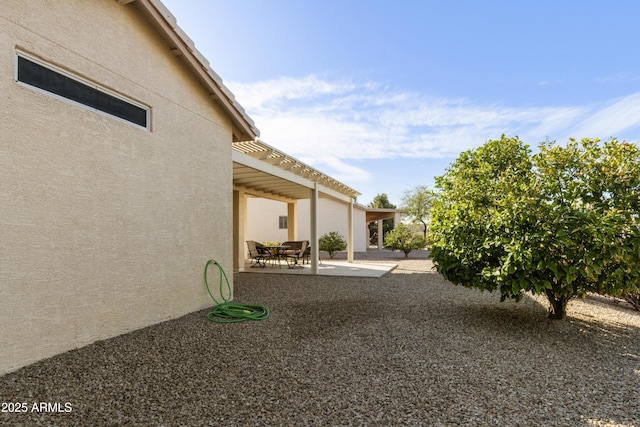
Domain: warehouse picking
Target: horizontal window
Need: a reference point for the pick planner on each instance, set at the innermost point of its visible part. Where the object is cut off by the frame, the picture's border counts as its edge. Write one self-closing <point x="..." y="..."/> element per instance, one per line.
<point x="35" y="74"/>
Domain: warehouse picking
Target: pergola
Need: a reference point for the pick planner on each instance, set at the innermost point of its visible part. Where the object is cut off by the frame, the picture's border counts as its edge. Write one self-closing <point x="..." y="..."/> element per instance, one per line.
<point x="260" y="170"/>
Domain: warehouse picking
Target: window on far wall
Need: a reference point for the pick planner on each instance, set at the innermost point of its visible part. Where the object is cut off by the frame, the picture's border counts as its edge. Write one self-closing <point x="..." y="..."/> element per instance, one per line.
<point x="282" y="222"/>
<point x="47" y="78"/>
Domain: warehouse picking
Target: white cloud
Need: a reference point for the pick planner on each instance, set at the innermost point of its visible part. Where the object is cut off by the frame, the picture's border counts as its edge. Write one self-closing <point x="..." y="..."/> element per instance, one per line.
<point x="614" y="120"/>
<point x="272" y="93"/>
<point x="619" y="78"/>
<point x="327" y="123"/>
<point x="550" y="82"/>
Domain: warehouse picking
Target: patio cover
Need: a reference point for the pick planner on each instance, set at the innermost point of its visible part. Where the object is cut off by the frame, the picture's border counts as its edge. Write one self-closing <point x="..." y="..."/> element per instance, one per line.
<point x="380" y="214"/>
<point x="260" y="170"/>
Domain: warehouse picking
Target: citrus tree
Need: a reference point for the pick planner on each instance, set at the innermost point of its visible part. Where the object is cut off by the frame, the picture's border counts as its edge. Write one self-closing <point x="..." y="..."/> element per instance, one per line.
<point x="402" y="238"/>
<point x="560" y="223"/>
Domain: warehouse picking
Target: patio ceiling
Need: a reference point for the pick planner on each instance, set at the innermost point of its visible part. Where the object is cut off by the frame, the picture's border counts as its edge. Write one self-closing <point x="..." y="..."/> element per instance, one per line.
<point x="376" y="214"/>
<point x="264" y="171"/>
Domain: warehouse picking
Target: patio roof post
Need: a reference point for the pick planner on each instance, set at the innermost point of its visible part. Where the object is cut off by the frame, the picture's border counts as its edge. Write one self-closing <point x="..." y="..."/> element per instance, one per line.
<point x="367" y="235"/>
<point x="239" y="227"/>
<point x="397" y="216"/>
<point x="292" y="222"/>
<point x="350" y="231"/>
<point x="313" y="239"/>
<point x="380" y="234"/>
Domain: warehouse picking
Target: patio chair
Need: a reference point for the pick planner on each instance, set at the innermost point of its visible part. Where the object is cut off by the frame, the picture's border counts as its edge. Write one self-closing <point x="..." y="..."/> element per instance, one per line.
<point x="292" y="247"/>
<point x="261" y="249"/>
<point x="307" y="255"/>
<point x="258" y="257"/>
<point x="298" y="254"/>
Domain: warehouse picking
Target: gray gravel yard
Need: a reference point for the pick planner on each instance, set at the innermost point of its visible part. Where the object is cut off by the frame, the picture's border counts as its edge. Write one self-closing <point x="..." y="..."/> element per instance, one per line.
<point x="407" y="349"/>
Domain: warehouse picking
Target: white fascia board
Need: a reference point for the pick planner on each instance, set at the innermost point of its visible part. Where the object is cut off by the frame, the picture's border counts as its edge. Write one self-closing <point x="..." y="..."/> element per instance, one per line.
<point x="334" y="194"/>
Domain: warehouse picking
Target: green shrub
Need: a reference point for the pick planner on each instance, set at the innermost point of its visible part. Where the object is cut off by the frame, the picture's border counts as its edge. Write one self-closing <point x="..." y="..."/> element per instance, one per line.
<point x="332" y="242"/>
<point x="402" y="238"/>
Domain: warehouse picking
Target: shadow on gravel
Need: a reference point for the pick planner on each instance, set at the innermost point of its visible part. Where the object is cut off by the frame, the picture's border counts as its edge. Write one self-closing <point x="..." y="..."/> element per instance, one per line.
<point x="405" y="349"/>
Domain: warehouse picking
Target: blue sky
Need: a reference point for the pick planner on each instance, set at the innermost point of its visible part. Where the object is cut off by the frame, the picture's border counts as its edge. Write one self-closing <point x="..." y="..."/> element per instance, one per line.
<point x="384" y="95"/>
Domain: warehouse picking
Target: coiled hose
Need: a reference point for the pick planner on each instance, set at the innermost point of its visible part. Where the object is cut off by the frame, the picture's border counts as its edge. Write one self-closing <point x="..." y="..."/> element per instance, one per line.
<point x="229" y="312"/>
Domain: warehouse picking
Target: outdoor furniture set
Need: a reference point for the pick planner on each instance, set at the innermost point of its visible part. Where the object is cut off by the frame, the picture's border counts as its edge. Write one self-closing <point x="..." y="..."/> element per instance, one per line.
<point x="293" y="252"/>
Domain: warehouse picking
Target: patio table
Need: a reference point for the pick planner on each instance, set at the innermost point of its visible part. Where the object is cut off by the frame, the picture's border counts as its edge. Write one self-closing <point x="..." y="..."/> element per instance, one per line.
<point x="276" y="253"/>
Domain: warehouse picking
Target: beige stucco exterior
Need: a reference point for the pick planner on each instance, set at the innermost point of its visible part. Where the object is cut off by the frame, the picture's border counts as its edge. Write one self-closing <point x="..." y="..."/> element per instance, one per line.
<point x="105" y="227"/>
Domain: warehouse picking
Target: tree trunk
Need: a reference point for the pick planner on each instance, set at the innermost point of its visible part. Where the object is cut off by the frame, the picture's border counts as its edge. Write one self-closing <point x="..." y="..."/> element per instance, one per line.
<point x="558" y="306"/>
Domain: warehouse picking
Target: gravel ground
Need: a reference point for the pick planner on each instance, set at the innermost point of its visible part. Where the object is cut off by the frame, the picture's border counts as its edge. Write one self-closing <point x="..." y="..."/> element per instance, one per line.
<point x="405" y="349"/>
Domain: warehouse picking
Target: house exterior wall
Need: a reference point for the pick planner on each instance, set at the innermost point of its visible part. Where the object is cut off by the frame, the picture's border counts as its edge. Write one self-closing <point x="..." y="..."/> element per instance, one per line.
<point x="106" y="227"/>
<point x="360" y="230"/>
<point x="332" y="216"/>
<point x="262" y="220"/>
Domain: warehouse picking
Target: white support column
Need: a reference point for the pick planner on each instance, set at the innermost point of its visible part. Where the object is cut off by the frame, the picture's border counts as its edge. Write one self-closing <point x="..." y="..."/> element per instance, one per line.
<point x="367" y="235"/>
<point x="397" y="217"/>
<point x="239" y="227"/>
<point x="350" y="232"/>
<point x="313" y="210"/>
<point x="380" y="234"/>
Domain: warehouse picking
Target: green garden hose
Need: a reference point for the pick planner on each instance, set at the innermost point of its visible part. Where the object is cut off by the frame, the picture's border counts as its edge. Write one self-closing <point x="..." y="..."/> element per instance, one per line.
<point x="229" y="312"/>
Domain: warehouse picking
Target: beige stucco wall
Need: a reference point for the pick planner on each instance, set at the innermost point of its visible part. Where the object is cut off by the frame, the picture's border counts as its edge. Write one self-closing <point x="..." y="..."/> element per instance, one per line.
<point x="104" y="227"/>
<point x="333" y="216"/>
<point x="360" y="230"/>
<point x="263" y="222"/>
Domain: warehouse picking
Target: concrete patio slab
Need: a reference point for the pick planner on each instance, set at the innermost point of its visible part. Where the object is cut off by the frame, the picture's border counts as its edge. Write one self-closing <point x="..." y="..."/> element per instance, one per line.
<point x="328" y="268"/>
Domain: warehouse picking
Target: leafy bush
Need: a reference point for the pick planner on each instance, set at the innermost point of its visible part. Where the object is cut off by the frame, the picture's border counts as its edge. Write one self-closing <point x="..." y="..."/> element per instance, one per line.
<point x="332" y="242"/>
<point x="404" y="239"/>
<point x="560" y="223"/>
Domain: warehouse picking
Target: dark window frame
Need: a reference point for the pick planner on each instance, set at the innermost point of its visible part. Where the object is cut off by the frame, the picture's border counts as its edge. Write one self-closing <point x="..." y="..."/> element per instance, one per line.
<point x="43" y="77"/>
<point x="283" y="222"/>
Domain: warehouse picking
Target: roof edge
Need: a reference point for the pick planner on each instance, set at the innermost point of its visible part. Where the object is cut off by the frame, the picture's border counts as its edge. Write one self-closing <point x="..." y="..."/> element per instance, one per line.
<point x="181" y="45"/>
